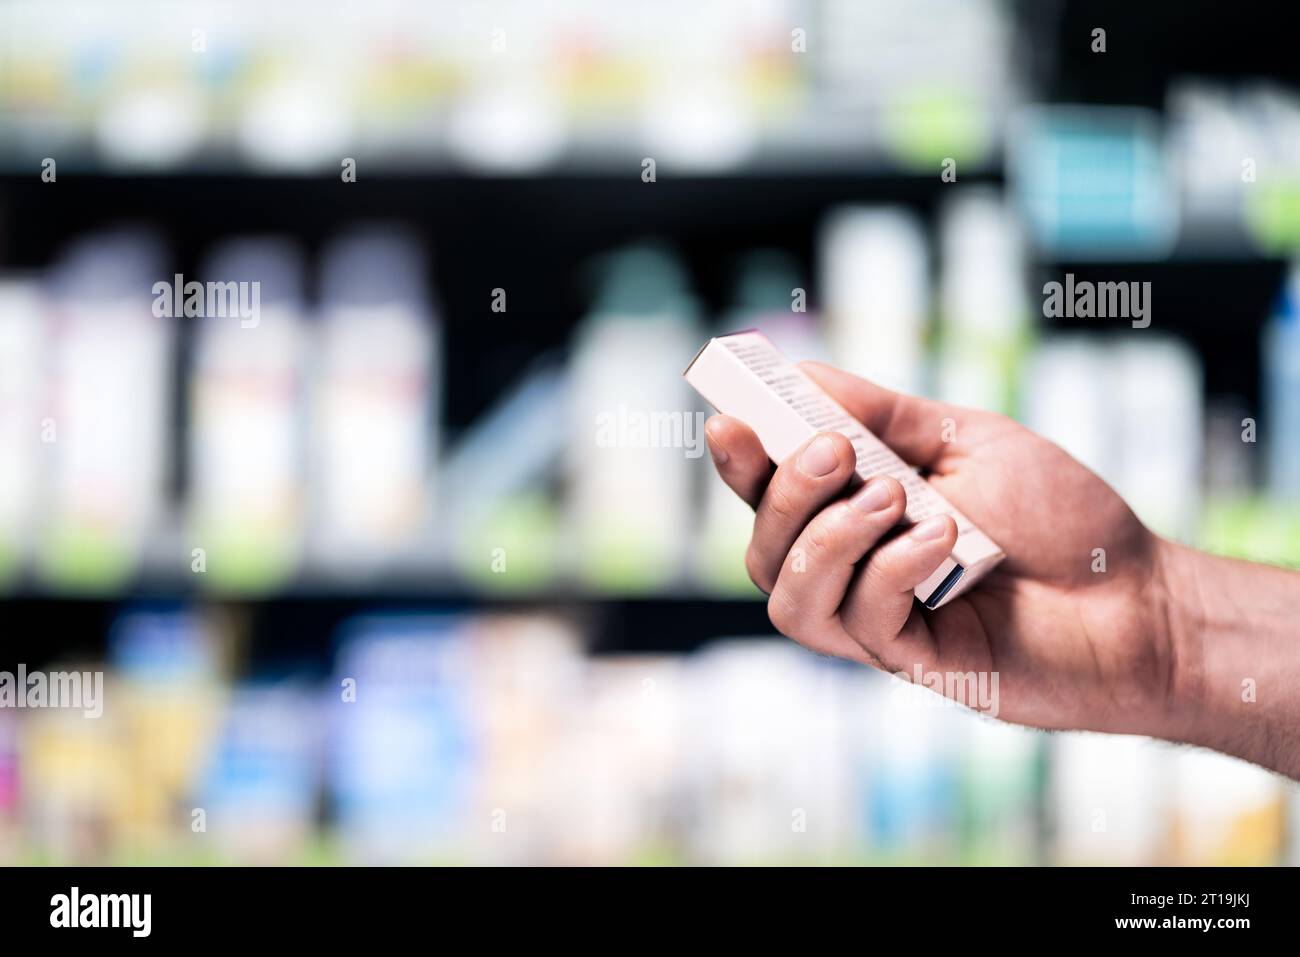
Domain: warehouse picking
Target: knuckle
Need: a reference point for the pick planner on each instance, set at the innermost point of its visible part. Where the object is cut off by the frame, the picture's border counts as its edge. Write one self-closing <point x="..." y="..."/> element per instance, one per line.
<point x="881" y="573"/>
<point x="825" y="535"/>
<point x="782" y="613"/>
<point x="781" y="501"/>
<point x="857" y="615"/>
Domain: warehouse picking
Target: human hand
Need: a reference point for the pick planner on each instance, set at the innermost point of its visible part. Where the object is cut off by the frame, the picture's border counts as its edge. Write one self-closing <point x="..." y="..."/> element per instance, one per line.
<point x="1073" y="646"/>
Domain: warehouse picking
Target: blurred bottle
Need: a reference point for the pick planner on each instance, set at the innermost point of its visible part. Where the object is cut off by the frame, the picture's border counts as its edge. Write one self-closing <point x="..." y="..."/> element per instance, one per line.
<point x="165" y="695"/>
<point x="22" y="401"/>
<point x="636" y="433"/>
<point x="404" y="748"/>
<point x="108" y="421"/>
<point x="260" y="790"/>
<point x="1236" y="519"/>
<point x="610" y="796"/>
<point x="1067" y="400"/>
<point x="245" y="442"/>
<point x="374" y="420"/>
<point x="1209" y="132"/>
<point x="1110" y="798"/>
<point x="907" y="751"/>
<point x="527" y="677"/>
<point x="984" y="312"/>
<point x="1280" y="423"/>
<point x="1159" y="420"/>
<point x="1291" y="855"/>
<point x="76" y="785"/>
<point x="1132" y="412"/>
<point x="1226" y="812"/>
<point x="765" y="773"/>
<point x="1093" y="181"/>
<point x="11" y="823"/>
<point x="1228" y="460"/>
<point x="874" y="284"/>
<point x="1001" y="781"/>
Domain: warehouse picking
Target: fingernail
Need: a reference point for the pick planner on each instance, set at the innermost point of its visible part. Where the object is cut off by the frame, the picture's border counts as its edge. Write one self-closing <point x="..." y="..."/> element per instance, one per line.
<point x="819" y="458"/>
<point x="715" y="447"/>
<point x="719" y="453"/>
<point x="933" y="527"/>
<point x="873" y="497"/>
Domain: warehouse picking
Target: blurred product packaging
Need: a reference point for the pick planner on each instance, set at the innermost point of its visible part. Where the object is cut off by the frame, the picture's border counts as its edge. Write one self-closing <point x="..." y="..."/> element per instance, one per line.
<point x="76" y="785"/>
<point x="910" y="742"/>
<point x="1110" y="797"/>
<point x="375" y="388"/>
<point x="529" y="693"/>
<point x="1159" y="419"/>
<point x="875" y="283"/>
<point x="1132" y="412"/>
<point x="1002" y="772"/>
<point x="614" y="786"/>
<point x="1093" y="181"/>
<point x="11" y="812"/>
<point x="769" y="761"/>
<point x="1225" y="812"/>
<point x="258" y="799"/>
<point x="246" y="435"/>
<point x="166" y="697"/>
<point x="105" y="438"/>
<point x="1066" y="400"/>
<point x="404" y="749"/>
<point x="1280" y="357"/>
<point x="984" y="316"/>
<point x="635" y="434"/>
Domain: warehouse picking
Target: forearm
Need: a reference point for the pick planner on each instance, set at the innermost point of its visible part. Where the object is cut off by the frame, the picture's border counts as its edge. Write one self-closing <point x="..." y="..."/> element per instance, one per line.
<point x="1234" y="632"/>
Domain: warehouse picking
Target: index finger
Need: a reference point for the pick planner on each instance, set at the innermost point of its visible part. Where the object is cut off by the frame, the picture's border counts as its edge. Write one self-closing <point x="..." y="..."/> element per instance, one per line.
<point x="739" y="457"/>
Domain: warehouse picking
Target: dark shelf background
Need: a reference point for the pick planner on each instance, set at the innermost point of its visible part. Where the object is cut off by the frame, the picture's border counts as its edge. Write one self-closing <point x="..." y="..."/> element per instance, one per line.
<point x="289" y="635"/>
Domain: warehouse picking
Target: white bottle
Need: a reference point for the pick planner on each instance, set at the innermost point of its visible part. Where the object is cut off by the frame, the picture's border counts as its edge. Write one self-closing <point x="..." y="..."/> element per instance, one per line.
<point x="874" y="285"/>
<point x="982" y="302"/>
<point x="246" y="407"/>
<point x="636" y="434"/>
<point x="1158" y="414"/>
<point x="1109" y="799"/>
<point x="373" y="436"/>
<point x="108" y="408"/>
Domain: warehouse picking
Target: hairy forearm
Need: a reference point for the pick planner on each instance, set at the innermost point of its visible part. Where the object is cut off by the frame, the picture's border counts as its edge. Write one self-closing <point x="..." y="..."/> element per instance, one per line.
<point x="1234" y="632"/>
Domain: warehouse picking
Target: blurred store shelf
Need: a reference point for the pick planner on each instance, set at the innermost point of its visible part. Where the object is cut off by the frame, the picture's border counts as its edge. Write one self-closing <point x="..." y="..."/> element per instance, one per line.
<point x="512" y="88"/>
<point x="387" y="485"/>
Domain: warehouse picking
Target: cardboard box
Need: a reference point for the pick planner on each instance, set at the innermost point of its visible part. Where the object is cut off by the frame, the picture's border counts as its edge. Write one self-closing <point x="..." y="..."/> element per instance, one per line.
<point x="744" y="375"/>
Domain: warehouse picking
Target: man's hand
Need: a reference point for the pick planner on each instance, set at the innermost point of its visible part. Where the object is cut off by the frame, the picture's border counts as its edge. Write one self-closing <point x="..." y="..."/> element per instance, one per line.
<point x="1074" y="646"/>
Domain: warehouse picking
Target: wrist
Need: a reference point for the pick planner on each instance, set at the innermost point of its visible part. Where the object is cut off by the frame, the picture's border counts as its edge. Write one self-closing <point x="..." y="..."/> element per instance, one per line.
<point x="1225" y="625"/>
<point x="1179" y="626"/>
